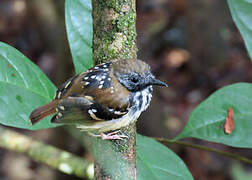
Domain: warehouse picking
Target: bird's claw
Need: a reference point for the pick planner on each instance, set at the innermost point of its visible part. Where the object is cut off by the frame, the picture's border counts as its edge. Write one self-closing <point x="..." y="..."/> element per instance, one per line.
<point x="110" y="136"/>
<point x="113" y="136"/>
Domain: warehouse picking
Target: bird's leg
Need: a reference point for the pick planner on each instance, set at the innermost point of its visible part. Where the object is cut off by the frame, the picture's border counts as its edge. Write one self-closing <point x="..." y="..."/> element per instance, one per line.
<point x="110" y="136"/>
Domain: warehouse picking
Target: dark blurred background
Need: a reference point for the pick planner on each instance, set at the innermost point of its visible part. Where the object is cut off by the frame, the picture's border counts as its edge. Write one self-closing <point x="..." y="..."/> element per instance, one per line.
<point x="193" y="45"/>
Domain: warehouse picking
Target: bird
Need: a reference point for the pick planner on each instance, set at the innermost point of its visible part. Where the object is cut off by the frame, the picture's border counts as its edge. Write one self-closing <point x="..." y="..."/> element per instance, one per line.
<point x="103" y="99"/>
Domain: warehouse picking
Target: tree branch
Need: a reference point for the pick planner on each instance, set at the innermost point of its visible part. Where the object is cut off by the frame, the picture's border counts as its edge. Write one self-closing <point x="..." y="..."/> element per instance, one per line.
<point x="53" y="157"/>
<point x="115" y="38"/>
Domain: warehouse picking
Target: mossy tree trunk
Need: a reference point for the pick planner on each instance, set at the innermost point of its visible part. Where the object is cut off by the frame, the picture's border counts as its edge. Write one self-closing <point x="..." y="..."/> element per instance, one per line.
<point x="115" y="38"/>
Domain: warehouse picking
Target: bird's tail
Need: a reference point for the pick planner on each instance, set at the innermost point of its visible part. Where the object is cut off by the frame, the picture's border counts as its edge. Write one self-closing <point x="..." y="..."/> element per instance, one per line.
<point x="43" y="111"/>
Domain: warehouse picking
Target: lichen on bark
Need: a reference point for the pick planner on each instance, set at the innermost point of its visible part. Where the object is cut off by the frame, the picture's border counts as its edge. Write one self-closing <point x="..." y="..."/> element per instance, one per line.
<point x="116" y="159"/>
<point x="114" y="29"/>
<point x="114" y="37"/>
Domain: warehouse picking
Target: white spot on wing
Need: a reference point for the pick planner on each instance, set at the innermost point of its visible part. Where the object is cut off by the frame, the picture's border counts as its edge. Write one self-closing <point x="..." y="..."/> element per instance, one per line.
<point x="59" y="95"/>
<point x="59" y="114"/>
<point x="62" y="108"/>
<point x="98" y="78"/>
<point x="93" y="115"/>
<point x="68" y="84"/>
<point x="119" y="112"/>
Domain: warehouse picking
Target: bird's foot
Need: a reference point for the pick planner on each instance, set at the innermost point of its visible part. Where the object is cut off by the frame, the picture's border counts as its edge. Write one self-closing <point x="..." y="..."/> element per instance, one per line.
<point x="110" y="136"/>
<point x="113" y="136"/>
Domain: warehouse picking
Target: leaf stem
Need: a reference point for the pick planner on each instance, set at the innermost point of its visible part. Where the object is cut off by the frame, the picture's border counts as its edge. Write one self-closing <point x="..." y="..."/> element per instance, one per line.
<point x="205" y="148"/>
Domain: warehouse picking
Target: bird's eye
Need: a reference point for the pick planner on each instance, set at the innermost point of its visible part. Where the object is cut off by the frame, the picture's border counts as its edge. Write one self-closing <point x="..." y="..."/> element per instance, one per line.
<point x="134" y="80"/>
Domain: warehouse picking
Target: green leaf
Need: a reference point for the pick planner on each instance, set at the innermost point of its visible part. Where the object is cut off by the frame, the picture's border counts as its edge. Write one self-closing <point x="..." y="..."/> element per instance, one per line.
<point x="207" y="120"/>
<point x="156" y="162"/>
<point x="80" y="32"/>
<point x="23" y="88"/>
<point x="241" y="11"/>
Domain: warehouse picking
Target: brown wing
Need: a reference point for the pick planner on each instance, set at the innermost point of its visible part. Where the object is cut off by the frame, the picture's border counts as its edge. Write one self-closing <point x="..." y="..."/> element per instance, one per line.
<point x="108" y="98"/>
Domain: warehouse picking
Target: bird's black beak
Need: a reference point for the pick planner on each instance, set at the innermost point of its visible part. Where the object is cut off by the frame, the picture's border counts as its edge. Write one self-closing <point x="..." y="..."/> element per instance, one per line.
<point x="157" y="82"/>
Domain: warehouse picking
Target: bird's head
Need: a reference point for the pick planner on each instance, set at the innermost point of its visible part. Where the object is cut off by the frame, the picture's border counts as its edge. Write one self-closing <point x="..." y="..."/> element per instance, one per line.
<point x="135" y="74"/>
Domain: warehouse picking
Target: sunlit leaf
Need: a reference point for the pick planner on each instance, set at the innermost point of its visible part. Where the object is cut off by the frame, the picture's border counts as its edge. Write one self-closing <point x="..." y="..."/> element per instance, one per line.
<point x="80" y="32"/>
<point x="23" y="87"/>
<point x="156" y="162"/>
<point x="241" y="11"/>
<point x="207" y="120"/>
